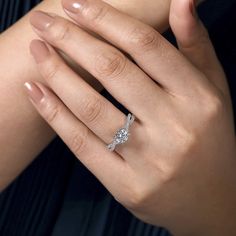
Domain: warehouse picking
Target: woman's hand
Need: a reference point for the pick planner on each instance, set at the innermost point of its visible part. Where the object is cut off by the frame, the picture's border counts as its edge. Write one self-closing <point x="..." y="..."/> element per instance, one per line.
<point x="17" y="66"/>
<point x="177" y="169"/>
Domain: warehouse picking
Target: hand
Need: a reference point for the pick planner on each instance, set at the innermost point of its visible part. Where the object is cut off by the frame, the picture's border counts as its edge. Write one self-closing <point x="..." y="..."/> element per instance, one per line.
<point x="177" y="169"/>
<point x="152" y="12"/>
<point x="34" y="134"/>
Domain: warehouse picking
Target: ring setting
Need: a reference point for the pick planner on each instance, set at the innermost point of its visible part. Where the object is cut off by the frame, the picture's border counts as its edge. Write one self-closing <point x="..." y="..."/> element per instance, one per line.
<point x="122" y="135"/>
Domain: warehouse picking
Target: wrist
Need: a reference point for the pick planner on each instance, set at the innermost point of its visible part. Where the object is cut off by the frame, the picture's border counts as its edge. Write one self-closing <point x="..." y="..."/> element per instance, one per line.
<point x="214" y="216"/>
<point x="154" y="13"/>
<point x="211" y="227"/>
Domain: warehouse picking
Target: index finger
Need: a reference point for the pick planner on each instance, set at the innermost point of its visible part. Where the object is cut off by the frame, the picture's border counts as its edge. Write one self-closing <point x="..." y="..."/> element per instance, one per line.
<point x="108" y="167"/>
<point x="150" y="50"/>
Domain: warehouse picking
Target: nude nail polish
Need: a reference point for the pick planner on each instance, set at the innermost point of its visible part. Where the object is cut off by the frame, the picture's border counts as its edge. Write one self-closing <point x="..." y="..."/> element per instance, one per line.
<point x="39" y="50"/>
<point x="73" y="6"/>
<point x="41" y="20"/>
<point x="34" y="92"/>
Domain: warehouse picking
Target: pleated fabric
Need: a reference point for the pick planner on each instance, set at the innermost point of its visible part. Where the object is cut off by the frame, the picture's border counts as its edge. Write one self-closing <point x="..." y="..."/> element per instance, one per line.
<point x="56" y="195"/>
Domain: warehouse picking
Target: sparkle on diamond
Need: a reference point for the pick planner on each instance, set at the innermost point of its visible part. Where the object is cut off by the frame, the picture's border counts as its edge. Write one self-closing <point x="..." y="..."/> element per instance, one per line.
<point x="121" y="136"/>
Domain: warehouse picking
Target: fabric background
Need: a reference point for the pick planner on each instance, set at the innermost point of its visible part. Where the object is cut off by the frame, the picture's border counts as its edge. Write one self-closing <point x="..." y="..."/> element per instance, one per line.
<point x="56" y="195"/>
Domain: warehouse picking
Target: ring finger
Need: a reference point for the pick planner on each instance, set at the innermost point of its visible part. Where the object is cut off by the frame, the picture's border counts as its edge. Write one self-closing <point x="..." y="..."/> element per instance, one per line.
<point x="107" y="166"/>
<point x="96" y="112"/>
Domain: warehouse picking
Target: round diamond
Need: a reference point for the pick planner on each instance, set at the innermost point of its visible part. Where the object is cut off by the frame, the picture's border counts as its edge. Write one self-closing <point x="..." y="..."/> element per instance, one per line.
<point x="121" y="136"/>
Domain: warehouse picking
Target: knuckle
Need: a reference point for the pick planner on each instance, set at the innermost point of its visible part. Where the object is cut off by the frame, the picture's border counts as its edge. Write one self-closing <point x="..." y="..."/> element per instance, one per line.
<point x="134" y="195"/>
<point x="145" y="38"/>
<point x="95" y="13"/>
<point x="188" y="143"/>
<point x="186" y="139"/>
<point x="51" y="112"/>
<point x="50" y="70"/>
<point x="92" y="108"/>
<point x="214" y="106"/>
<point x="78" y="141"/>
<point x="60" y="30"/>
<point x="110" y="64"/>
<point x="136" y="199"/>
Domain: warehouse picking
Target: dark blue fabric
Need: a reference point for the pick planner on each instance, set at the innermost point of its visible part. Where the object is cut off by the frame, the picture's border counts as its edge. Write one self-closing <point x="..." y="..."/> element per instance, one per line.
<point x="56" y="195"/>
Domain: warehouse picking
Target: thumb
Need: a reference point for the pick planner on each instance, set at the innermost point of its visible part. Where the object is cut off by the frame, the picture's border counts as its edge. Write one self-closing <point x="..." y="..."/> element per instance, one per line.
<point x="194" y="42"/>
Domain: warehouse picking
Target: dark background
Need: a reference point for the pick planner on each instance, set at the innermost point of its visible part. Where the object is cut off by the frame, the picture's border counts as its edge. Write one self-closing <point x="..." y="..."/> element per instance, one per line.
<point x="56" y="195"/>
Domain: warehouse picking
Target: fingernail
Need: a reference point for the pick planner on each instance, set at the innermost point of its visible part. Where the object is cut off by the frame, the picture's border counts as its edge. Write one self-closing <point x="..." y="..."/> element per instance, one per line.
<point x="41" y="20"/>
<point x="73" y="6"/>
<point x="34" y="92"/>
<point x="39" y="50"/>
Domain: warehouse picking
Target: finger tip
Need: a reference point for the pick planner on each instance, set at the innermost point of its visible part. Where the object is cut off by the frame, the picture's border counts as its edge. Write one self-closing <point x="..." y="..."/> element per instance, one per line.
<point x="39" y="50"/>
<point x="183" y="18"/>
<point x="35" y="44"/>
<point x="63" y="3"/>
<point x="27" y="85"/>
<point x="35" y="41"/>
<point x="44" y="88"/>
<point x="33" y="16"/>
<point x="186" y="8"/>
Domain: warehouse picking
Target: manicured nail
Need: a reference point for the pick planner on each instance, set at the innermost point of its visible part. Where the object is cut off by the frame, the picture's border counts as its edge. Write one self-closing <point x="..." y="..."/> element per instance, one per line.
<point x="39" y="50"/>
<point x="34" y="92"/>
<point x="73" y="6"/>
<point x="41" y="20"/>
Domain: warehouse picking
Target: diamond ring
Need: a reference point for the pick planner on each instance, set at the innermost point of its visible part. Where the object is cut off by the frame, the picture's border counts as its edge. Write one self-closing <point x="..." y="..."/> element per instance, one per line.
<point x="122" y="134"/>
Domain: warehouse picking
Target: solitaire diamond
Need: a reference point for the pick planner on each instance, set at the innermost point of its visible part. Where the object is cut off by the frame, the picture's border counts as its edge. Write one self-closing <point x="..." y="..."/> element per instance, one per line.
<point x="121" y="136"/>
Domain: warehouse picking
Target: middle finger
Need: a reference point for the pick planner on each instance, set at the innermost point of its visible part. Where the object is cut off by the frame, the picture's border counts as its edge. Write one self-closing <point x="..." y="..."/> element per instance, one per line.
<point x="90" y="107"/>
<point x="122" y="78"/>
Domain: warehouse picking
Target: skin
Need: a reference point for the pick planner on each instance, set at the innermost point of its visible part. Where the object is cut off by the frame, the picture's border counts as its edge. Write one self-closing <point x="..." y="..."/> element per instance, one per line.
<point x="177" y="170"/>
<point x="21" y="126"/>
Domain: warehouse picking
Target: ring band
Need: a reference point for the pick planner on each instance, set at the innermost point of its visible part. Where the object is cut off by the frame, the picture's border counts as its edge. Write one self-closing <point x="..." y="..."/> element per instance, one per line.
<point x="122" y="134"/>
